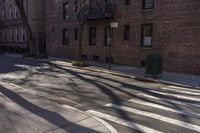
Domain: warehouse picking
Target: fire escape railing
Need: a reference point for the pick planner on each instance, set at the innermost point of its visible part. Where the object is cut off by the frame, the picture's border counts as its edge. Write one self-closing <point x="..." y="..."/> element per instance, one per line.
<point x="98" y="9"/>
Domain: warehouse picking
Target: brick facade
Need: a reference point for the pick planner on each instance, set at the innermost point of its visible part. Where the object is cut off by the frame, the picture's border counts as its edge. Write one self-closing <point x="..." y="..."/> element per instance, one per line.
<point x="176" y="34"/>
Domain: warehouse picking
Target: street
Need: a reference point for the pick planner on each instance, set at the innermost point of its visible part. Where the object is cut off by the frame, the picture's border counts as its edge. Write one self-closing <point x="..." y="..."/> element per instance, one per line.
<point x="129" y="105"/>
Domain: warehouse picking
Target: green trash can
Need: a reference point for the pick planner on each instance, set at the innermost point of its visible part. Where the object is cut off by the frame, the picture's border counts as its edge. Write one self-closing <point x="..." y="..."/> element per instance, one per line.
<point x="154" y="65"/>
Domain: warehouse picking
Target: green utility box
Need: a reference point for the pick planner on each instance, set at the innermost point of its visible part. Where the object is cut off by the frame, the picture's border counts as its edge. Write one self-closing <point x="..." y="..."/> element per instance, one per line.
<point x="154" y="65"/>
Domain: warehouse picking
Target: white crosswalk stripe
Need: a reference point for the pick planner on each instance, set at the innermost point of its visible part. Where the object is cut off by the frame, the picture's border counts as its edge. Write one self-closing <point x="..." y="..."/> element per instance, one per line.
<point x="181" y="91"/>
<point x="165" y="105"/>
<point x="123" y="122"/>
<point x="157" y="117"/>
<point x="182" y="88"/>
<point x="149" y="104"/>
<point x="168" y="100"/>
<point x="177" y="96"/>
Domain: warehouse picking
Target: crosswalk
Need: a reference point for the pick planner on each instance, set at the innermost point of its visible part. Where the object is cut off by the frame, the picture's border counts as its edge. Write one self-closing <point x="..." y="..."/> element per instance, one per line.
<point x="168" y="109"/>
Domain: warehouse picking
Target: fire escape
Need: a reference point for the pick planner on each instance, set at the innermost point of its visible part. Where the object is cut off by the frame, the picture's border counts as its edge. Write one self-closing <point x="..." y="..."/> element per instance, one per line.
<point x="97" y="10"/>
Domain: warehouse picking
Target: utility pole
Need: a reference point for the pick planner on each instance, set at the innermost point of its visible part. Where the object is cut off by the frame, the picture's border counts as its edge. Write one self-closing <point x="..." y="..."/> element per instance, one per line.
<point x="112" y="25"/>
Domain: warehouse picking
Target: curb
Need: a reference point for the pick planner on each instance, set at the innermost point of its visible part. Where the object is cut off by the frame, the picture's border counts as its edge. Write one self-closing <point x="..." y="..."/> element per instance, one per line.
<point x="96" y="69"/>
<point x="103" y="123"/>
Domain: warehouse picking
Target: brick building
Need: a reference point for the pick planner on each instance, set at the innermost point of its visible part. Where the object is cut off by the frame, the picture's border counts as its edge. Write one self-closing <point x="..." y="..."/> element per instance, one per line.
<point x="13" y="36"/>
<point x="168" y="27"/>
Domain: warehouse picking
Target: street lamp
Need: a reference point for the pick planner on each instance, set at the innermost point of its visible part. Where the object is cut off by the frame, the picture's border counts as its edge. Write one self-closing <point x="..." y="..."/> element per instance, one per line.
<point x="112" y="25"/>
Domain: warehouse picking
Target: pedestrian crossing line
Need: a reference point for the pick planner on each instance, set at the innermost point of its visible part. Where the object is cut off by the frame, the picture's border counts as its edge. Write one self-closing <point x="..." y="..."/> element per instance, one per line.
<point x="168" y="100"/>
<point x="181" y="91"/>
<point x="157" y="117"/>
<point x="123" y="122"/>
<point x="154" y="105"/>
<point x="177" y="96"/>
<point x="183" y="88"/>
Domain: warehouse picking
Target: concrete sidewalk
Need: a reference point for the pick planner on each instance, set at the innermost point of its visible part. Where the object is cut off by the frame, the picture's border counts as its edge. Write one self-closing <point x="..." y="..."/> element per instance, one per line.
<point x="23" y="111"/>
<point x="168" y="77"/>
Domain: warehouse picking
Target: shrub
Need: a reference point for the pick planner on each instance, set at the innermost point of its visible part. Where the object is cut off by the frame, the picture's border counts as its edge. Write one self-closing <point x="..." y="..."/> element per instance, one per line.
<point x="80" y="63"/>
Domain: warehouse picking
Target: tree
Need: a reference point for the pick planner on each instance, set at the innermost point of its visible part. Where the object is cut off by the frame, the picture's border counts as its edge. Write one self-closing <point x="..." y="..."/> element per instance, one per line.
<point x="93" y="10"/>
<point x="80" y="5"/>
<point x="31" y="48"/>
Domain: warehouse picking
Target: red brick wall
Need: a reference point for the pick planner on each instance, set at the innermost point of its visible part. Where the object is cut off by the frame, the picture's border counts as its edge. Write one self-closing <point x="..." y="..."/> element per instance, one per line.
<point x="176" y="34"/>
<point x="54" y="27"/>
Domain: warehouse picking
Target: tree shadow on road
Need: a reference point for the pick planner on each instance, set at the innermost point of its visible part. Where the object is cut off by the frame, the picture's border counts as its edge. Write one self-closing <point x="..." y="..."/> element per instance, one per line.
<point x="52" y="117"/>
<point x="116" y="99"/>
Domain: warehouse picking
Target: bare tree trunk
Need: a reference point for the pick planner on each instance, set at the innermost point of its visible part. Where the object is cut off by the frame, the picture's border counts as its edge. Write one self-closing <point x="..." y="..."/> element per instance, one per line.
<point x="80" y="41"/>
<point x="31" y="48"/>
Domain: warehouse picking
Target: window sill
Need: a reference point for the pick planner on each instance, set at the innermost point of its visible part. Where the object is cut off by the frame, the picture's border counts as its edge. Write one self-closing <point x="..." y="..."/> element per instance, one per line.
<point x="143" y="47"/>
<point x="147" y="10"/>
<point x="64" y="45"/>
<point x="107" y="45"/>
<point x="66" y="20"/>
<point x="124" y="41"/>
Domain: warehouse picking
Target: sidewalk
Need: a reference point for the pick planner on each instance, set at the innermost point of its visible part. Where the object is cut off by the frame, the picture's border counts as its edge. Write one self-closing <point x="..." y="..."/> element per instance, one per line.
<point x="23" y="112"/>
<point x="138" y="73"/>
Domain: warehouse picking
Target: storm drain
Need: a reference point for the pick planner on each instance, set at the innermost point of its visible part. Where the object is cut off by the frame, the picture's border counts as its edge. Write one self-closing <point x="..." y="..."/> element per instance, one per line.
<point x="126" y="97"/>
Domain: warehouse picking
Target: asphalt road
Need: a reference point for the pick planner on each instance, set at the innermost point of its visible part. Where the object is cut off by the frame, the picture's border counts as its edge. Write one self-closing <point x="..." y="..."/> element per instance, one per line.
<point x="128" y="105"/>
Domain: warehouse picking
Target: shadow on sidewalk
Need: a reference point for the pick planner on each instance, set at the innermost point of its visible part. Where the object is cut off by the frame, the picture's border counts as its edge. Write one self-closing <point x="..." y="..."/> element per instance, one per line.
<point x="50" y="116"/>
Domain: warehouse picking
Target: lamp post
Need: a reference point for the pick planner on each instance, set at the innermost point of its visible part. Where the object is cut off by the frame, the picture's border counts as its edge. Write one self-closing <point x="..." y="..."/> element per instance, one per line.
<point x="112" y="25"/>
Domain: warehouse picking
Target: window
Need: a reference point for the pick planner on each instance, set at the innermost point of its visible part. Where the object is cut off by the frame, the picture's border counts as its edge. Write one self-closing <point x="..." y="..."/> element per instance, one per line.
<point x="16" y="12"/>
<point x="92" y="36"/>
<point x="3" y="14"/>
<point x="11" y="12"/>
<point x="108" y="36"/>
<point x="1" y="36"/>
<point x="23" y="35"/>
<point x="76" y="34"/>
<point x="147" y="31"/>
<point x="76" y="6"/>
<point x="148" y="4"/>
<point x="127" y="2"/>
<point x="95" y="58"/>
<point x="4" y="36"/>
<point x="17" y="35"/>
<point x="11" y="35"/>
<point x="126" y="33"/>
<point x="65" y="37"/>
<point x="65" y="10"/>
